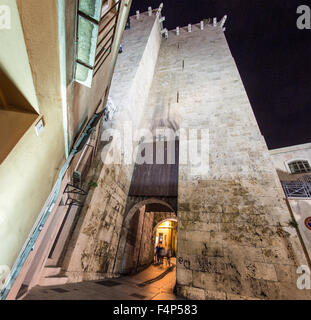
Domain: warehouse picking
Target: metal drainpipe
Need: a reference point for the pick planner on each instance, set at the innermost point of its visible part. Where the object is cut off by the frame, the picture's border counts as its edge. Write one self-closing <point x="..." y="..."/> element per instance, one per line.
<point x="30" y="242"/>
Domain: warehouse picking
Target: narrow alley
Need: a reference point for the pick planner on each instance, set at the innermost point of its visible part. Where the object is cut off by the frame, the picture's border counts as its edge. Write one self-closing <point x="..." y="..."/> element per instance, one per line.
<point x="154" y="283"/>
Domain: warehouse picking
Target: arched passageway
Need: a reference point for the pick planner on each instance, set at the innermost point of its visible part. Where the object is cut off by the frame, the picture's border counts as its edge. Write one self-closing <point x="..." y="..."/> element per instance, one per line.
<point x="136" y="247"/>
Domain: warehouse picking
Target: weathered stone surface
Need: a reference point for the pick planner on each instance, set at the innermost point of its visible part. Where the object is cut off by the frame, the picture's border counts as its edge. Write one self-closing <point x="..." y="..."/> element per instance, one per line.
<point x="232" y="230"/>
<point x="92" y="249"/>
<point x="233" y="242"/>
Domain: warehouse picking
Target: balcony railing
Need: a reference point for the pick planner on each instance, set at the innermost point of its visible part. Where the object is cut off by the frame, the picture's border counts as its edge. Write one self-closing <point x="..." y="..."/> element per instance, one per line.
<point x="301" y="188"/>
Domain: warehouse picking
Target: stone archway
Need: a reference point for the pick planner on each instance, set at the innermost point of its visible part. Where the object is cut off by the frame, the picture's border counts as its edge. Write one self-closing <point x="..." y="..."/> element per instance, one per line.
<point x="127" y="260"/>
<point x="129" y="214"/>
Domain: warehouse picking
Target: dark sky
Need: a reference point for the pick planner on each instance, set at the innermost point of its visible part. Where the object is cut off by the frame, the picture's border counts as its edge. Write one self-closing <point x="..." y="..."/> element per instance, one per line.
<point x="273" y="57"/>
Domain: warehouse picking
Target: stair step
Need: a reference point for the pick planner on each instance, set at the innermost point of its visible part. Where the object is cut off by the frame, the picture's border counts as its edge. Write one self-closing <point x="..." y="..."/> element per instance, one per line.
<point x="51" y="271"/>
<point x="53" y="281"/>
<point x="50" y="263"/>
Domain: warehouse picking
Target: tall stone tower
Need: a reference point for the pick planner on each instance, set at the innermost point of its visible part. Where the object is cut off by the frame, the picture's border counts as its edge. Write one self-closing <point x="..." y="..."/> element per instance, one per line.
<point x="233" y="234"/>
<point x="234" y="241"/>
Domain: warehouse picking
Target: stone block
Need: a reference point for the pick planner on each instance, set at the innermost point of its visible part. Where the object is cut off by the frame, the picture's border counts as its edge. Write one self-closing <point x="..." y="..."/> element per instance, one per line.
<point x="184" y="276"/>
<point x="191" y="292"/>
<point x="215" y="295"/>
<point x="262" y="271"/>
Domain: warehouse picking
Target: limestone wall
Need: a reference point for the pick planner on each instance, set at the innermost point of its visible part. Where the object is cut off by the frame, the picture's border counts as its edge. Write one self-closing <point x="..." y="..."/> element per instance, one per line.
<point x="234" y="241"/>
<point x="134" y="69"/>
<point x="146" y="251"/>
<point x="92" y="249"/>
<point x="233" y="236"/>
<point x="138" y="249"/>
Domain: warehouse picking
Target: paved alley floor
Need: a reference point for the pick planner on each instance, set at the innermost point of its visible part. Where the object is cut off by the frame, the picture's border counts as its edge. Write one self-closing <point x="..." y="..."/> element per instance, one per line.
<point x="154" y="283"/>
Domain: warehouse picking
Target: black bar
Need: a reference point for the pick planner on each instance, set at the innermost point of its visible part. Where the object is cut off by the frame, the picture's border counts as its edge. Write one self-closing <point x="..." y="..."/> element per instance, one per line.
<point x="102" y="62"/>
<point x="84" y="64"/>
<point x="103" y="17"/>
<point x="100" y="42"/>
<point x="80" y="13"/>
<point x="115" y="15"/>
<point x="102" y="49"/>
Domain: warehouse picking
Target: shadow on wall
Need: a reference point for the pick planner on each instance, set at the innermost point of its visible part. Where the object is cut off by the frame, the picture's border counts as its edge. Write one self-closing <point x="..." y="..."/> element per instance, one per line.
<point x="286" y="176"/>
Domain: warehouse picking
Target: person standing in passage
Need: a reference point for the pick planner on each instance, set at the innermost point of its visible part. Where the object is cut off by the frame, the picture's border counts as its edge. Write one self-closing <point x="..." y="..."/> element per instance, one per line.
<point x="156" y="254"/>
<point x="168" y="256"/>
<point x="162" y="254"/>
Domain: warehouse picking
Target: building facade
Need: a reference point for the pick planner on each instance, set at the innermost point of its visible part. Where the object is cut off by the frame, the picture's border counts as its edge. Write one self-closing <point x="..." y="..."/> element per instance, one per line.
<point x="293" y="167"/>
<point x="182" y="89"/>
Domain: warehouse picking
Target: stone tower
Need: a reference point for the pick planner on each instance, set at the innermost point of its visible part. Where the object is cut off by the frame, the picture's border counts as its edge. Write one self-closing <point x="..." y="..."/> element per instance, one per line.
<point x="234" y="241"/>
<point x="233" y="234"/>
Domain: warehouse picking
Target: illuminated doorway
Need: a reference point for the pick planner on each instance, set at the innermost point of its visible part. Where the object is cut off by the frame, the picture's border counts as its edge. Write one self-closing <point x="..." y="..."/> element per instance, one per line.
<point x="166" y="235"/>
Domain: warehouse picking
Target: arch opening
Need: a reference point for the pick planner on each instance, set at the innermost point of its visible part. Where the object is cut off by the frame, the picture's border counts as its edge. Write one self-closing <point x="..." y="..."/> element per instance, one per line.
<point x="165" y="239"/>
<point x="140" y="229"/>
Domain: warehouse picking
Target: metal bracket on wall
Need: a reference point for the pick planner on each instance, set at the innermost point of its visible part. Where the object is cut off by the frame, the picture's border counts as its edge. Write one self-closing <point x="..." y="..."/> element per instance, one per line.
<point x="71" y="191"/>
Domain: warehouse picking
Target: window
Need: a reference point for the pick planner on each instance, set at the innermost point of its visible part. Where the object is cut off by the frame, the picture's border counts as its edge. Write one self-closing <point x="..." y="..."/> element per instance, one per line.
<point x="97" y="22"/>
<point x="299" y="166"/>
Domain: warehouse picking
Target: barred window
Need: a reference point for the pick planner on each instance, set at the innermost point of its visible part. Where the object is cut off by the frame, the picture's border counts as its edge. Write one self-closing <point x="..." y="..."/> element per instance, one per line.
<point x="299" y="166"/>
<point x="96" y="28"/>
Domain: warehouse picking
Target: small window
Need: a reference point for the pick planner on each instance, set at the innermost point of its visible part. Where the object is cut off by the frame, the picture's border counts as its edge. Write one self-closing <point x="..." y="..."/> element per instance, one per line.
<point x="96" y="28"/>
<point x="299" y="166"/>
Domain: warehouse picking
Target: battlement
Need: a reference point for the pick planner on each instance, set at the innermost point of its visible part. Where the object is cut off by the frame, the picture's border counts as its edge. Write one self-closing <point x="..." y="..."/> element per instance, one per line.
<point x="202" y="25"/>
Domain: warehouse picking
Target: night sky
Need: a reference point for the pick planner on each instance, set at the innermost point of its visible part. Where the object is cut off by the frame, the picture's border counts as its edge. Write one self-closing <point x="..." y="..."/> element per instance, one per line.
<point x="273" y="57"/>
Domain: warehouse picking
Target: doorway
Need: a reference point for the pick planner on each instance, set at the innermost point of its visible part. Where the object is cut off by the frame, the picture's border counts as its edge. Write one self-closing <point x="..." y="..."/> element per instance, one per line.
<point x="166" y="235"/>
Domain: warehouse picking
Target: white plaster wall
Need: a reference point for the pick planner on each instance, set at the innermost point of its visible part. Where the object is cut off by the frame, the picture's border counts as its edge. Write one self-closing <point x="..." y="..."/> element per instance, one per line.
<point x="283" y="155"/>
<point x="302" y="210"/>
<point x="13" y="56"/>
<point x="29" y="55"/>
